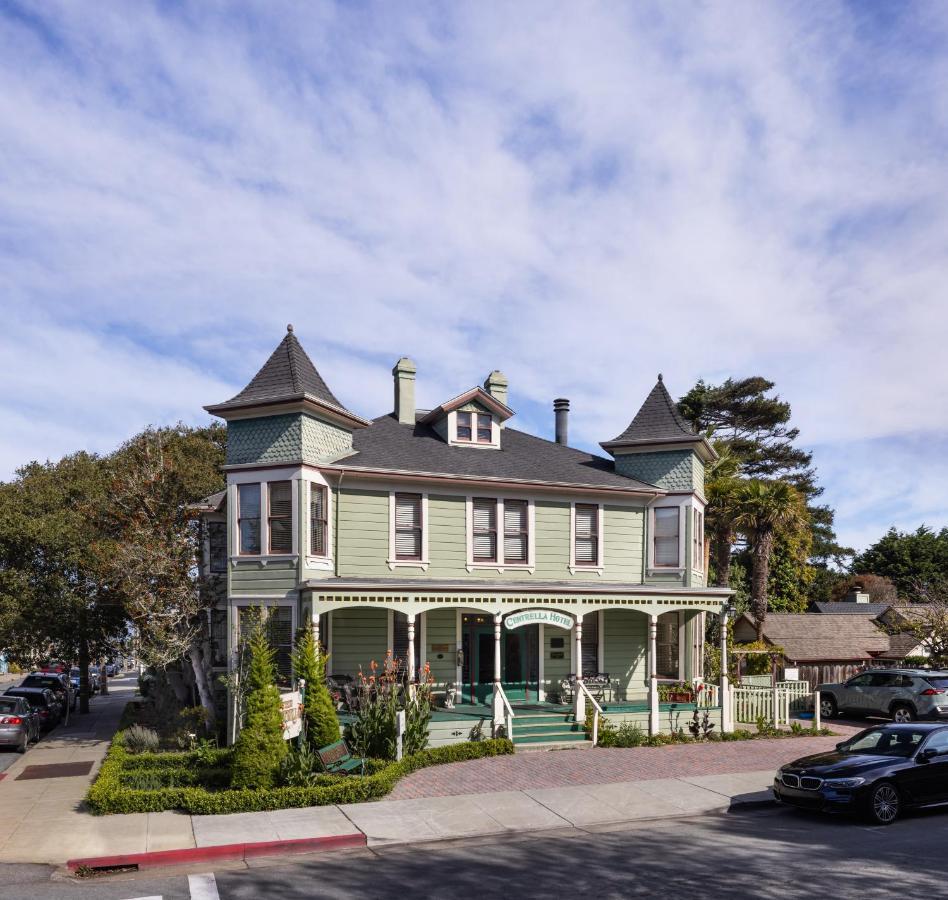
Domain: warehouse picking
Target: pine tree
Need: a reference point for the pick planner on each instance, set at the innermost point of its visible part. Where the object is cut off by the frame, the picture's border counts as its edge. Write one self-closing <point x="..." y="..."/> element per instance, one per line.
<point x="260" y="748"/>
<point x="309" y="663"/>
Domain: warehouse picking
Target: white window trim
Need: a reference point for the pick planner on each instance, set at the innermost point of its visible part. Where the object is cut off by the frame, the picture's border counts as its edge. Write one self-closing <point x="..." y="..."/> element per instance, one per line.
<point x="453" y="431"/>
<point x="233" y="619"/>
<point x="263" y="479"/>
<point x="697" y="546"/>
<point x="681" y="507"/>
<point x="599" y="567"/>
<point x="317" y="561"/>
<point x="394" y="563"/>
<point x="501" y="567"/>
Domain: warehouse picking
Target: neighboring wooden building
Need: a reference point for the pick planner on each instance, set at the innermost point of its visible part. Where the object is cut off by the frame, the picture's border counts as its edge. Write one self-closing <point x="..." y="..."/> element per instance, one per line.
<point x="430" y="533"/>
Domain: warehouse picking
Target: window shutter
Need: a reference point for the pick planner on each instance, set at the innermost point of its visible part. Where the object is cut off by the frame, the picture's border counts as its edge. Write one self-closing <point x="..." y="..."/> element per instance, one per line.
<point x="407" y="526"/>
<point x="280" y="517"/>
<point x="515" y="531"/>
<point x="484" y="538"/>
<point x="587" y="537"/>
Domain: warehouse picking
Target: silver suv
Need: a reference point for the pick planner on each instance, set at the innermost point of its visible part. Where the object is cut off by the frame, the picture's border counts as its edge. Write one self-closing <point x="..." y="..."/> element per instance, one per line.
<point x="901" y="694"/>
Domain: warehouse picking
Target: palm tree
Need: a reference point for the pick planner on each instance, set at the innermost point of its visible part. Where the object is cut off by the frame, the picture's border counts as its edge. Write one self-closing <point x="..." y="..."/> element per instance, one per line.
<point x="762" y="509"/>
<point x="721" y="488"/>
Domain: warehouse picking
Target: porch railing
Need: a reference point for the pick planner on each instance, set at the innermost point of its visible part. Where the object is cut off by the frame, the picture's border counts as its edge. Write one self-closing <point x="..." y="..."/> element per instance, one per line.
<point x="709" y="696"/>
<point x="508" y="710"/>
<point x="597" y="711"/>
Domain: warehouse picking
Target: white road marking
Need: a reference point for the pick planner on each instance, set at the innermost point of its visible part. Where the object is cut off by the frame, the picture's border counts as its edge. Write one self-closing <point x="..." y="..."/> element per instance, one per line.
<point x="203" y="887"/>
<point x="152" y="897"/>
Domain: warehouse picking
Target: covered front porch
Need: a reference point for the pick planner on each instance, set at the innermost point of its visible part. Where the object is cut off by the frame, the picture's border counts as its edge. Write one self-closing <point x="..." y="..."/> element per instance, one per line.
<point x="519" y="660"/>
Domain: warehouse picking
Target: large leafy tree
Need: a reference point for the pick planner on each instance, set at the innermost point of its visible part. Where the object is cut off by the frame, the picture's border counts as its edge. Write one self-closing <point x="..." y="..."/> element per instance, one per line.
<point x="150" y="557"/>
<point x="764" y="510"/>
<point x="915" y="561"/>
<point x="53" y="601"/>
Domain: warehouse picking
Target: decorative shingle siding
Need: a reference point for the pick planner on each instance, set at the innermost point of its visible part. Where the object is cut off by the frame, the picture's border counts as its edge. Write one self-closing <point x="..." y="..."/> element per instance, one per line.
<point x="673" y="470"/>
<point x="285" y="438"/>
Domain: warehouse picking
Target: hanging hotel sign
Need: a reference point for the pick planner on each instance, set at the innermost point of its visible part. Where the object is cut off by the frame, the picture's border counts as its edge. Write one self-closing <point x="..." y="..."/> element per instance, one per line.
<point x="539" y="617"/>
<point x="292" y="709"/>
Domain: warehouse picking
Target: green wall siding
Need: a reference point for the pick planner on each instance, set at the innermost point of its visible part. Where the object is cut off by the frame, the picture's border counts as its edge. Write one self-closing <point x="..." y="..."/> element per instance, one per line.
<point x="625" y="651"/>
<point x="555" y="669"/>
<point x="358" y="637"/>
<point x="441" y="628"/>
<point x="278" y="577"/>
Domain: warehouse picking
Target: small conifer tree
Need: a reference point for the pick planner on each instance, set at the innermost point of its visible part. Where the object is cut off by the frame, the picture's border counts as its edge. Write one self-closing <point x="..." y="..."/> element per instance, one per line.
<point x="260" y="748"/>
<point x="309" y="663"/>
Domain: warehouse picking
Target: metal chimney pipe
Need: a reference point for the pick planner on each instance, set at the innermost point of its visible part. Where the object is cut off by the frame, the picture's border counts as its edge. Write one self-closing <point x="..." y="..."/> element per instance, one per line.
<point x="561" y="410"/>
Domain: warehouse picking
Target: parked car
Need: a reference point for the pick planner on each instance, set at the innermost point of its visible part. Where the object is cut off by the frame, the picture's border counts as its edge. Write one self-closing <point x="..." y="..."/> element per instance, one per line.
<point x="879" y="772"/>
<point x="44" y="704"/>
<point x="19" y="725"/>
<point x="54" y="665"/>
<point x="903" y="695"/>
<point x="60" y="685"/>
<point x="74" y="679"/>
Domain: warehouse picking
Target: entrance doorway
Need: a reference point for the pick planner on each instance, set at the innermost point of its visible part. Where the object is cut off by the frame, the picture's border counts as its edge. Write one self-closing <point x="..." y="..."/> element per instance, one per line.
<point x="519" y="660"/>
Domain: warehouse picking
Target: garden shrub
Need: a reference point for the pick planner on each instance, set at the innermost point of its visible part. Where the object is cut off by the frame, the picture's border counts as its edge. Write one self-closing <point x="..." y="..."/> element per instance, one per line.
<point x="139" y="739"/>
<point x="320" y="723"/>
<point x="260" y="748"/>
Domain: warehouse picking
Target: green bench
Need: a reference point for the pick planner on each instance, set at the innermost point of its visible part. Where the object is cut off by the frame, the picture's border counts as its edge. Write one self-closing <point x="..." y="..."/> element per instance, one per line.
<point x="337" y="759"/>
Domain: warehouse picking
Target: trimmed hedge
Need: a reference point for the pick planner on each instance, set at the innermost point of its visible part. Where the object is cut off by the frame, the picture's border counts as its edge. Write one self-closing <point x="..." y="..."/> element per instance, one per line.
<point x="109" y="794"/>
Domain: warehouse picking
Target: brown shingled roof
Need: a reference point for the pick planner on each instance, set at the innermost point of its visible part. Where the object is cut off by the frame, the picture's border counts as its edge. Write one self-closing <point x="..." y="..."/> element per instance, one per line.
<point x="806" y="637"/>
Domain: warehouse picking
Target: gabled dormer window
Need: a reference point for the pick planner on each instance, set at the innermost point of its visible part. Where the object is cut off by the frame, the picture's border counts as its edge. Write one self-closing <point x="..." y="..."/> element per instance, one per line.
<point x="475" y="427"/>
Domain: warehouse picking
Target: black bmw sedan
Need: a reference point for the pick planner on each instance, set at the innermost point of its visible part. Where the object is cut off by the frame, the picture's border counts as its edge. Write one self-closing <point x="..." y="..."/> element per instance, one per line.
<point x="878" y="773"/>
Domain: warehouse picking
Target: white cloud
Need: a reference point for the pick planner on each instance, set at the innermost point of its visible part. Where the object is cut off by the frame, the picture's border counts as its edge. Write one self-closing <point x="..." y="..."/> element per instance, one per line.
<point x="580" y="194"/>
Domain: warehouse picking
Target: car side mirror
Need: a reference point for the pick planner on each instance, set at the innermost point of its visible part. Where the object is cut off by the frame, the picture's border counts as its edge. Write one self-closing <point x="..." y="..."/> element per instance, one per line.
<point x="927" y="754"/>
<point x="841" y="745"/>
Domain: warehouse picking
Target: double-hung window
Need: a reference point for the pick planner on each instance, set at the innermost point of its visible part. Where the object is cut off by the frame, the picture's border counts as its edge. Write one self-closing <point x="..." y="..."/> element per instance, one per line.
<point x="217" y="547"/>
<point x="516" y="531"/>
<point x="484" y="542"/>
<point x="280" y="516"/>
<point x="317" y="520"/>
<point x="248" y="518"/>
<point x="474" y="425"/>
<point x="665" y="539"/>
<point x="586" y="536"/>
<point x="666" y="646"/>
<point x="408" y="527"/>
<point x="697" y="562"/>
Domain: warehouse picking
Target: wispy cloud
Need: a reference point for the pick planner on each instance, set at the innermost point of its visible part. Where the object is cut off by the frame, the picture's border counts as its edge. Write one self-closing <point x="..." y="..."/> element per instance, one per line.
<point x="580" y="194"/>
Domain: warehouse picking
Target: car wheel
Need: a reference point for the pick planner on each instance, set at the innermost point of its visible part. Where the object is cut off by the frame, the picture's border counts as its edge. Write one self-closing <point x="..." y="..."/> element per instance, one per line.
<point x="903" y="714"/>
<point x="24" y="744"/>
<point x="828" y="707"/>
<point x="885" y="804"/>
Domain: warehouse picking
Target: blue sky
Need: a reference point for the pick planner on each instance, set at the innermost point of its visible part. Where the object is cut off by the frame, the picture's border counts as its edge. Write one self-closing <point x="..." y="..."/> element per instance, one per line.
<point x="579" y="194"/>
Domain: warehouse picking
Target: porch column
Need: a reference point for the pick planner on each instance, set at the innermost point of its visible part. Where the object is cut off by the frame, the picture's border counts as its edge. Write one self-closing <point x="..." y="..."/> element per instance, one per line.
<point x="498" y="706"/>
<point x="411" y="654"/>
<point x="653" y="712"/>
<point x="315" y="624"/>
<point x="726" y="723"/>
<point x="580" y="698"/>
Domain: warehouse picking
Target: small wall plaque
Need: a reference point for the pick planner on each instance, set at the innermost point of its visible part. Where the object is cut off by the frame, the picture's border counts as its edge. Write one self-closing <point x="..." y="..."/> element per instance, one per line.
<point x="557" y="654"/>
<point x="558" y="643"/>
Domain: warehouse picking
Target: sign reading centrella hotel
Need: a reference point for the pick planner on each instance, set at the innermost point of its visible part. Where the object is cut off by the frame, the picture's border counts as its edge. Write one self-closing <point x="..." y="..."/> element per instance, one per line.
<point x="539" y="617"/>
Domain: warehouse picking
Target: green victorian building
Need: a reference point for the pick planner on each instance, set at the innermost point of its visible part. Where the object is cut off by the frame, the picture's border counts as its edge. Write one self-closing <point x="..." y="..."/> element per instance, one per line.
<point x="526" y="576"/>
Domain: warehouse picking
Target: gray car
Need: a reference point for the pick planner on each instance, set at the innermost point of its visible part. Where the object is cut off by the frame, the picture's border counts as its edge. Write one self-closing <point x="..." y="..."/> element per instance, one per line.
<point x="18" y="724"/>
<point x="903" y="695"/>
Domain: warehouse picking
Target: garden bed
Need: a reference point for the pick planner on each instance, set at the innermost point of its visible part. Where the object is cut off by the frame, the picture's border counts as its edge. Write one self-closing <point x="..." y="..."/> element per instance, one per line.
<point x="197" y="782"/>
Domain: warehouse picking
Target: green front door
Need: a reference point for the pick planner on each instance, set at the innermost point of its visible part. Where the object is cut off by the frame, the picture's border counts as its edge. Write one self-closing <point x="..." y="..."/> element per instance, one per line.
<point x="519" y="650"/>
<point x="519" y="674"/>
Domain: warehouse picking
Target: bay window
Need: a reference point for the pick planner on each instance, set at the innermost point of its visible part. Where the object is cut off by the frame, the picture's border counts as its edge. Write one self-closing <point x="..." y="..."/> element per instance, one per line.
<point x="280" y="516"/>
<point x="665" y="550"/>
<point x="248" y="518"/>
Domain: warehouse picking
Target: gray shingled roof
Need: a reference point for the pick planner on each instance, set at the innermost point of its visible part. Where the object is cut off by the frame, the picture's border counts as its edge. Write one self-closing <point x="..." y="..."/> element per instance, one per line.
<point x="287" y="374"/>
<point x="387" y="444"/>
<point x="808" y="637"/>
<point x="843" y="608"/>
<point x="901" y="645"/>
<point x="658" y="421"/>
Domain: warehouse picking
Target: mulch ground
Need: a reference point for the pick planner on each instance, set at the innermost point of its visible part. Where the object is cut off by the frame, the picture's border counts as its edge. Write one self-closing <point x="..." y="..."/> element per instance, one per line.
<point x="604" y="765"/>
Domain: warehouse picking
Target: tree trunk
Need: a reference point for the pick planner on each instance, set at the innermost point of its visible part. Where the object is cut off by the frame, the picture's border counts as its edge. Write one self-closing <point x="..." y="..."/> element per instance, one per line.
<point x="763" y="545"/>
<point x="204" y="687"/>
<point x="83" y="666"/>
<point x="723" y="540"/>
<point x="103" y="679"/>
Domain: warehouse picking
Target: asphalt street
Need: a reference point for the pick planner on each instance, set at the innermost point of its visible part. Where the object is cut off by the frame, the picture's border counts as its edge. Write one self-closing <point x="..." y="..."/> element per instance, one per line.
<point x="768" y="853"/>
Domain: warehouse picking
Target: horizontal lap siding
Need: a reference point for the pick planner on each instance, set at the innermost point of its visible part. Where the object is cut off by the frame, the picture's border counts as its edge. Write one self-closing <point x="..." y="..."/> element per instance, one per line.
<point x="441" y="628"/>
<point x="447" y="540"/>
<point x="362" y="535"/>
<point x="555" y="669"/>
<point x="622" y="543"/>
<point x="625" y="651"/>
<point x="256" y="578"/>
<point x="358" y="637"/>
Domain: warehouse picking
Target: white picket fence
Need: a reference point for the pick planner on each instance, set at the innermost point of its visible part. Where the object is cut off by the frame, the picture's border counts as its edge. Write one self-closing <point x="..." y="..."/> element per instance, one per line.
<point x="751" y="700"/>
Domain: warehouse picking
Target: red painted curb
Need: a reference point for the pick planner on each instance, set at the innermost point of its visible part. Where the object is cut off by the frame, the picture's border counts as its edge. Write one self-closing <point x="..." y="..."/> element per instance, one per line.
<point x="3" y="775"/>
<point x="223" y="851"/>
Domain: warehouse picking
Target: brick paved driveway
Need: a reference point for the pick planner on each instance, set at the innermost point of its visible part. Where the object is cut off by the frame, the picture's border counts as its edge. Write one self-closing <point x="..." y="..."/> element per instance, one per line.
<point x="560" y="768"/>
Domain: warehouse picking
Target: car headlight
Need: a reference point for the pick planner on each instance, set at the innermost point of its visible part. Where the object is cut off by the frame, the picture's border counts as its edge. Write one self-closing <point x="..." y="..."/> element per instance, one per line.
<point x="779" y="774"/>
<point x="844" y="782"/>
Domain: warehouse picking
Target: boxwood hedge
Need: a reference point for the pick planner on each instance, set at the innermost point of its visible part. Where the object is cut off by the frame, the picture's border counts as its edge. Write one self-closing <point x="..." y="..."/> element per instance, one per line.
<point x="195" y="784"/>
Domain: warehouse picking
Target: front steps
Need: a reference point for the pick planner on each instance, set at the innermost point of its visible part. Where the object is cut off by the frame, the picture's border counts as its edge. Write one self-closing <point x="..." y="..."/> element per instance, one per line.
<point x="546" y="730"/>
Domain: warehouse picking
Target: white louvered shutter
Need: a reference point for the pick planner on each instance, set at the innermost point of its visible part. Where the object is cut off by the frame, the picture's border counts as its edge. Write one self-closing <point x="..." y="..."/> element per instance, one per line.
<point x="407" y="526"/>
<point x="587" y="537"/>
<point x="515" y="531"/>
<point x="485" y="530"/>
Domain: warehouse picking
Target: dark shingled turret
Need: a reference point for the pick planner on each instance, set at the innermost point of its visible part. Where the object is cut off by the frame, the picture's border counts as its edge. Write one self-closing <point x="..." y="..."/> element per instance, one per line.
<point x="657" y="422"/>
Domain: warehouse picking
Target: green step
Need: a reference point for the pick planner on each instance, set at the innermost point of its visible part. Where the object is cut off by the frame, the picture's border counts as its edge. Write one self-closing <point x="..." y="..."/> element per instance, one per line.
<point x="543" y="717"/>
<point x="551" y="738"/>
<point x="545" y="729"/>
